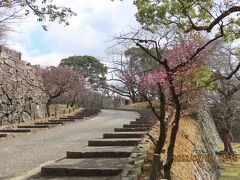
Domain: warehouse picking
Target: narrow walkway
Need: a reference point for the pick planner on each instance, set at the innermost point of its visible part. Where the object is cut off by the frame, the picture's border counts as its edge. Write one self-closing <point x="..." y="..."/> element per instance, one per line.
<point x="20" y="155"/>
<point x="103" y="158"/>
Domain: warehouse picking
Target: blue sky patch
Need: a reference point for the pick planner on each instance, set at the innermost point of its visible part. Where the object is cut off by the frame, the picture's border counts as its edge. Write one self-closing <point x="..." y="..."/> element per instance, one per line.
<point x="38" y="45"/>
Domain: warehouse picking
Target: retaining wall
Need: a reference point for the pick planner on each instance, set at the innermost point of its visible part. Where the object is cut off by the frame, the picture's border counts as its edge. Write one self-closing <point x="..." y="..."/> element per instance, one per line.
<point x="21" y="89"/>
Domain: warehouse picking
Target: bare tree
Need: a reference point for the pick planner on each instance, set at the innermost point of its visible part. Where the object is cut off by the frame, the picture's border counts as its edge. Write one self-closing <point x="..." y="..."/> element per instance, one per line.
<point x="118" y="82"/>
<point x="60" y="80"/>
<point x="131" y="65"/>
<point x="223" y="101"/>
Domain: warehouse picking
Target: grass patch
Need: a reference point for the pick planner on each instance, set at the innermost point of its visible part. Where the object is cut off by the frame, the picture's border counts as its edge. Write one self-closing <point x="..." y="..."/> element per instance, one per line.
<point x="231" y="170"/>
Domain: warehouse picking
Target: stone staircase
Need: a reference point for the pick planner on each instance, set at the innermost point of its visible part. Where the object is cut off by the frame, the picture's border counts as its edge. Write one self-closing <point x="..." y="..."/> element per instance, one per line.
<point x="24" y="129"/>
<point x="103" y="158"/>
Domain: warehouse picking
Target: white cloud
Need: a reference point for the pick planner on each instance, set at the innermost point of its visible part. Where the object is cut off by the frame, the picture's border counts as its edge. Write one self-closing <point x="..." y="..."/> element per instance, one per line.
<point x="46" y="60"/>
<point x="96" y="23"/>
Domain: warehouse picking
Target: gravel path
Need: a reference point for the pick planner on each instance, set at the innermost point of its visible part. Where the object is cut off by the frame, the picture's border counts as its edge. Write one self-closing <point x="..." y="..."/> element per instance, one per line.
<point x="23" y="154"/>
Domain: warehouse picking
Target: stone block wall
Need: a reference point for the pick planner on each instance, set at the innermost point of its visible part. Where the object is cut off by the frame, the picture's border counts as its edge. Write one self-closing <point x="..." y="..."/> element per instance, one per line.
<point x="207" y="142"/>
<point x="21" y="90"/>
<point x="9" y="53"/>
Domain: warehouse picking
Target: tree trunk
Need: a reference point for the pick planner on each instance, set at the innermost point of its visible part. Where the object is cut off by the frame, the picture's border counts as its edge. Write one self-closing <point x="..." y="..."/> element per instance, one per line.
<point x="155" y="167"/>
<point x="101" y="102"/>
<point x="92" y="101"/>
<point x="49" y="102"/>
<point x="227" y="141"/>
<point x="175" y="126"/>
<point x="156" y="162"/>
<point x="133" y="97"/>
<point x="73" y="101"/>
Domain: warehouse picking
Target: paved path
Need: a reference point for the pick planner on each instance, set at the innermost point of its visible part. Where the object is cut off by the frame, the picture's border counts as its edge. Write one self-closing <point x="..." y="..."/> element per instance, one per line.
<point x="20" y="155"/>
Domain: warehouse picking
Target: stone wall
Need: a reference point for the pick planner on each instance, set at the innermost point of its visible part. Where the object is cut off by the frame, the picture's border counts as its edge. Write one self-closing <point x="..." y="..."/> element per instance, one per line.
<point x="207" y="142"/>
<point x="21" y="89"/>
<point x="6" y="52"/>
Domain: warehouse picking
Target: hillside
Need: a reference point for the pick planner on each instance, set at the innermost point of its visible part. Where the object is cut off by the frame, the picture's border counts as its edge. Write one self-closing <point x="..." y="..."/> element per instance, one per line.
<point x="197" y="136"/>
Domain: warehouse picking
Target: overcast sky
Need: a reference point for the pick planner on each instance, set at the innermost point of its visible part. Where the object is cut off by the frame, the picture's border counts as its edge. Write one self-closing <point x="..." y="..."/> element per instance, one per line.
<point x="96" y="23"/>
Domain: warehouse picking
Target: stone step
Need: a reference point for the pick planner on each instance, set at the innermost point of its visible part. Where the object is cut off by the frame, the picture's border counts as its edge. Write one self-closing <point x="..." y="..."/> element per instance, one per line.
<point x="106" y="148"/>
<point x="142" y="120"/>
<point x="9" y="134"/>
<point x="134" y="125"/>
<point x="3" y="135"/>
<point x="72" y="117"/>
<point x="130" y="129"/>
<point x="15" y="130"/>
<point x="34" y="126"/>
<point x="102" y="151"/>
<point x="97" y="154"/>
<point x="139" y="122"/>
<point x="85" y="167"/>
<point x="50" y="123"/>
<point x="62" y="120"/>
<point x="114" y="142"/>
<point x="143" y="117"/>
<point x="39" y="177"/>
<point x="88" y="115"/>
<point x="124" y="135"/>
<point x="78" y="117"/>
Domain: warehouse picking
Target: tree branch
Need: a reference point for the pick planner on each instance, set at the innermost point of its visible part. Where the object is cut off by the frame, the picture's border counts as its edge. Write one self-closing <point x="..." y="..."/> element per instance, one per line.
<point x="215" y="21"/>
<point x="196" y="53"/>
<point x="154" y="141"/>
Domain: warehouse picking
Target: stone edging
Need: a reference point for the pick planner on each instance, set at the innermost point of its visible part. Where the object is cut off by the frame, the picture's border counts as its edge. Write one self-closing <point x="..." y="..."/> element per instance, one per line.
<point x="136" y="160"/>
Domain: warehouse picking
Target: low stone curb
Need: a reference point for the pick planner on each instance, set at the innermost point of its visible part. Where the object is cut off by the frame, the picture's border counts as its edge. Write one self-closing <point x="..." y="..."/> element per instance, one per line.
<point x="139" y="122"/>
<point x="15" y="130"/>
<point x="123" y="135"/>
<point x="113" y="142"/>
<point x="135" y="162"/>
<point x="3" y="135"/>
<point x="34" y="126"/>
<point x="130" y="129"/>
<point x="80" y="172"/>
<point x="134" y="125"/>
<point x="50" y="123"/>
<point x="109" y="154"/>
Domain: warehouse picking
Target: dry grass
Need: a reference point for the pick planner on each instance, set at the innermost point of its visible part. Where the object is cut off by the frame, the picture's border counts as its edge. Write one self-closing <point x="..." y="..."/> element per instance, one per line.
<point x="61" y="109"/>
<point x="142" y="105"/>
<point x="185" y="137"/>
